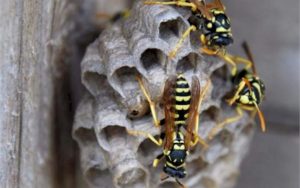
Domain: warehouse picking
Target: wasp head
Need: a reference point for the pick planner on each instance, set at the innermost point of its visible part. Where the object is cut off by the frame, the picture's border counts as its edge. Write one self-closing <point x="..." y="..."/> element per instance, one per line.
<point x="252" y="92"/>
<point x="218" y="29"/>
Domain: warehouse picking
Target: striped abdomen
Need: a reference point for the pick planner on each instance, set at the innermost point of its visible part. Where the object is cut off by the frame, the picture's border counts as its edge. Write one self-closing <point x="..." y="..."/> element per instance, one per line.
<point x="182" y="100"/>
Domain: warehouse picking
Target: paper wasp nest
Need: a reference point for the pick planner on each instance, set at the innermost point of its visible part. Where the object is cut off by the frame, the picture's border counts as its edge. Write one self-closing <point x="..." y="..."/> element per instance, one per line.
<point x="112" y="158"/>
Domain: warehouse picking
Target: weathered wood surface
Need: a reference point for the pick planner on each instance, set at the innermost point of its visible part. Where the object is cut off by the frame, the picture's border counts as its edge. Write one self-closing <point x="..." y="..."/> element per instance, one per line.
<point x="40" y="42"/>
<point x="26" y="95"/>
<point x="28" y="122"/>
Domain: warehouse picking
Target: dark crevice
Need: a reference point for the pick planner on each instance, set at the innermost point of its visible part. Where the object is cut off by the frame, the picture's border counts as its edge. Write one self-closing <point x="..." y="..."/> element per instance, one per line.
<point x="68" y="90"/>
<point x="211" y="114"/>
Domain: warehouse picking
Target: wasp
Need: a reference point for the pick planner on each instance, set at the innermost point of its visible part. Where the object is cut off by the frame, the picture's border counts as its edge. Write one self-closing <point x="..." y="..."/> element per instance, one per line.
<point x="179" y="128"/>
<point x="208" y="18"/>
<point x="249" y="89"/>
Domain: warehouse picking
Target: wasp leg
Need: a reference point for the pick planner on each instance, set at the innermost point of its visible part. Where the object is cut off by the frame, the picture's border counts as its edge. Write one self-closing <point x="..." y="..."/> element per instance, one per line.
<point x="204" y="49"/>
<point x="180" y="184"/>
<point x="230" y="60"/>
<point x="207" y="51"/>
<point x="163" y="178"/>
<point x="236" y="94"/>
<point x="247" y="62"/>
<point x="182" y="38"/>
<point x="178" y="3"/>
<point x="157" y="159"/>
<point x="151" y="103"/>
<point x="227" y="121"/>
<point x="197" y="139"/>
<point x="145" y="134"/>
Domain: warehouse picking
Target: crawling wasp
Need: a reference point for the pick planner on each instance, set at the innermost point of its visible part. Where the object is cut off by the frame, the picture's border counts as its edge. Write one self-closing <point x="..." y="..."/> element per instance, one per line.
<point x="210" y="19"/>
<point x="249" y="89"/>
<point x="180" y="123"/>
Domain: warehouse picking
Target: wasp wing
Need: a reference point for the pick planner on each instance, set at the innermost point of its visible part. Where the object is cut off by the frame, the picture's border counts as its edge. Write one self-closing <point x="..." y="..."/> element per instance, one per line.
<point x="216" y="4"/>
<point x="168" y="99"/>
<point x="192" y="120"/>
<point x="219" y="5"/>
<point x="202" y="7"/>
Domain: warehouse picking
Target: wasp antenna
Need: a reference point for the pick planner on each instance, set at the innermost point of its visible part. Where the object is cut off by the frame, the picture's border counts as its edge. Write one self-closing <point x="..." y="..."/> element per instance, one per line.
<point x="249" y="55"/>
<point x="261" y="118"/>
<point x="248" y="84"/>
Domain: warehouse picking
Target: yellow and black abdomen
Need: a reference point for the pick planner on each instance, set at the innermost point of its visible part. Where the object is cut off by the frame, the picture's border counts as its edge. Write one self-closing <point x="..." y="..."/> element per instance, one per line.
<point x="182" y="100"/>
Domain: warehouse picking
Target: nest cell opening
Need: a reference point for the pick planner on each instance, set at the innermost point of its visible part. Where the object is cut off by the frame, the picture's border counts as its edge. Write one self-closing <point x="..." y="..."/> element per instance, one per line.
<point x="98" y="177"/>
<point x="224" y="137"/>
<point x="126" y="78"/>
<point x="170" y="30"/>
<point x="133" y="178"/>
<point x="248" y="129"/>
<point x="110" y="135"/>
<point x="85" y="136"/>
<point x="147" y="151"/>
<point x="187" y="63"/>
<point x="94" y="81"/>
<point x="113" y="132"/>
<point x="153" y="60"/>
<point x="196" y="166"/>
<point x="211" y="114"/>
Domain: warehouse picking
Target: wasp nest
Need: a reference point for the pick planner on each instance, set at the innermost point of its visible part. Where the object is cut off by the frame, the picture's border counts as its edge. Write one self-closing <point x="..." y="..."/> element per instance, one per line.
<point x="110" y="157"/>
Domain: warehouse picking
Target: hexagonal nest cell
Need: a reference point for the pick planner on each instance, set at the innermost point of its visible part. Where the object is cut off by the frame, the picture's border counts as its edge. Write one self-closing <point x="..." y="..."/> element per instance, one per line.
<point x="154" y="60"/>
<point x="171" y="29"/>
<point x="126" y="78"/>
<point x="188" y="64"/>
